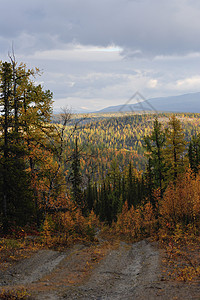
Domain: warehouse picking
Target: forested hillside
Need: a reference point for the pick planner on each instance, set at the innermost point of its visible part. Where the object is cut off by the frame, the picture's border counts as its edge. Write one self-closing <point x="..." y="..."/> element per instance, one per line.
<point x="114" y="152"/>
<point x="61" y="179"/>
<point x="105" y="137"/>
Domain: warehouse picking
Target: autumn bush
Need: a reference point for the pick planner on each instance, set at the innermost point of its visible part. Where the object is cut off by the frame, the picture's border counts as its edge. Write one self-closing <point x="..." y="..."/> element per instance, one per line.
<point x="179" y="220"/>
<point x="15" y="294"/>
<point x="181" y="203"/>
<point x="182" y="253"/>
<point x="65" y="228"/>
<point x="136" y="223"/>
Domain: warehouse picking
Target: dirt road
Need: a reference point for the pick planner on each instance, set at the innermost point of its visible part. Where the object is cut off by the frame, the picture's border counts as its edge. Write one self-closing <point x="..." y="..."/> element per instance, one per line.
<point x="123" y="274"/>
<point x="126" y="272"/>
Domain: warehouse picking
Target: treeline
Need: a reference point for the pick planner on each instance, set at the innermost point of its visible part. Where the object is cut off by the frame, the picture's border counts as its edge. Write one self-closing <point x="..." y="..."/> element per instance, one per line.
<point x="108" y="196"/>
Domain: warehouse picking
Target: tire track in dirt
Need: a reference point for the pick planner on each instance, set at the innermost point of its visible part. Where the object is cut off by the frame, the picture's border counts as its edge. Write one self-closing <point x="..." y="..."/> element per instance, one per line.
<point x="128" y="271"/>
<point x="123" y="274"/>
<point x="132" y="272"/>
<point x="31" y="269"/>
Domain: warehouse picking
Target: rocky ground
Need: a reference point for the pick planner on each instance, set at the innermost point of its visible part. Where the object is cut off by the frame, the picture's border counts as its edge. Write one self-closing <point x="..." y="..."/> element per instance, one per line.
<point x="126" y="271"/>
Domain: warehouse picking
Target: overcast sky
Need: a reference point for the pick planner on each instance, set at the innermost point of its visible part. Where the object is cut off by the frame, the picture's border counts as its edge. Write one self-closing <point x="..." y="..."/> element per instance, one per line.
<point x="97" y="53"/>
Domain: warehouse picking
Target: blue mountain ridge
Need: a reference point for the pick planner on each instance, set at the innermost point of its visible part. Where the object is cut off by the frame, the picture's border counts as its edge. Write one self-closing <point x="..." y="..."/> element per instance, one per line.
<point x="182" y="103"/>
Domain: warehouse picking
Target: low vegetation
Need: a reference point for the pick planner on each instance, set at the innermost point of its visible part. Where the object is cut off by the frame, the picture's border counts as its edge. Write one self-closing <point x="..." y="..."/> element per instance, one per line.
<point x="15" y="294"/>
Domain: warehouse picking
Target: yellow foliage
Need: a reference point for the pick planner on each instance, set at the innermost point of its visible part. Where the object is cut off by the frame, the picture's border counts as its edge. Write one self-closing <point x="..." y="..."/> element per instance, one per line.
<point x="93" y="220"/>
<point x="15" y="294"/>
<point x="182" y="253"/>
<point x="136" y="223"/>
<point x="181" y="202"/>
<point x="64" y="228"/>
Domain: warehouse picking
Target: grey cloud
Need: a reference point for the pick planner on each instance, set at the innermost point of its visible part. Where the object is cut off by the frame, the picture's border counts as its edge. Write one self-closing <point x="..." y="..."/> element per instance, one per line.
<point x="152" y="26"/>
<point x="158" y="39"/>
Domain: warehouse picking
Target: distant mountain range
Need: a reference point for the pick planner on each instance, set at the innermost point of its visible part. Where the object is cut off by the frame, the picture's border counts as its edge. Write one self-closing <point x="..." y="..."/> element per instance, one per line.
<point x="182" y="103"/>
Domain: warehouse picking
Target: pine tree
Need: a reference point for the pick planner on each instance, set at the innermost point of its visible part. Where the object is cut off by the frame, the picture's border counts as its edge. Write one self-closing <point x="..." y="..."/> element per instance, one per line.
<point x="15" y="187"/>
<point x="194" y="153"/>
<point x="114" y="181"/>
<point x="154" y="145"/>
<point x="24" y="110"/>
<point x="131" y="187"/>
<point x="149" y="182"/>
<point x="5" y="88"/>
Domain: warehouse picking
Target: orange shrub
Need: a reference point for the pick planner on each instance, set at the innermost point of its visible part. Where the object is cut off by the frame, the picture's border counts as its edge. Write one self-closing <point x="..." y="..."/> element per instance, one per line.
<point x="64" y="228"/>
<point x="149" y="219"/>
<point x="181" y="202"/>
<point x="136" y="223"/>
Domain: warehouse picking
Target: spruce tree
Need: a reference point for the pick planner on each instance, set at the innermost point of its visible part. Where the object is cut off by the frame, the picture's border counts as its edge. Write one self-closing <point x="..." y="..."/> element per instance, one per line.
<point x="15" y="184"/>
<point x="6" y="123"/>
<point x="149" y="181"/>
<point x="154" y="144"/>
<point x="131" y="187"/>
<point x="25" y="108"/>
<point x="194" y="153"/>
